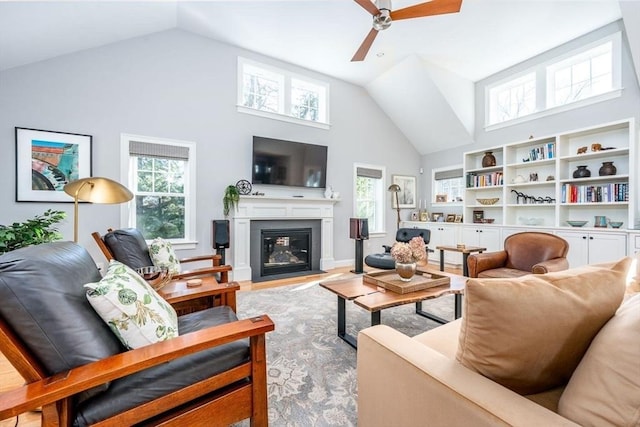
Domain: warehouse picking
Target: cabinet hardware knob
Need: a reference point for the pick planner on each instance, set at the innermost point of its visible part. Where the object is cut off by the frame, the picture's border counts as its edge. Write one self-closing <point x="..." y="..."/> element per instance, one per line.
<point x="591" y="238"/>
<point x="584" y="237"/>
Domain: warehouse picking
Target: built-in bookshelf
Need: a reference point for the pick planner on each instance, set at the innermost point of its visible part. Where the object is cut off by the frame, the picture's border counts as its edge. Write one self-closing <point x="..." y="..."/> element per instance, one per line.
<point x="537" y="183"/>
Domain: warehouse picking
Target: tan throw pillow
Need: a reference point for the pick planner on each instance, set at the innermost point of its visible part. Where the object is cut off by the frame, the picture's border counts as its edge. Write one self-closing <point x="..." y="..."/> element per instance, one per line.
<point x="529" y="333"/>
<point x="605" y="387"/>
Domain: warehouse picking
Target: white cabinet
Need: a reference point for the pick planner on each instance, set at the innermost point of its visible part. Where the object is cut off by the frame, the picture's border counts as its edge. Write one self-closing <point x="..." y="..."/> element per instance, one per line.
<point x="442" y="234"/>
<point x="591" y="247"/>
<point x="483" y="236"/>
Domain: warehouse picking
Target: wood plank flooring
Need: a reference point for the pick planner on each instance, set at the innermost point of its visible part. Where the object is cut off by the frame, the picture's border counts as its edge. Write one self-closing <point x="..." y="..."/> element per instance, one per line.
<point x="10" y="379"/>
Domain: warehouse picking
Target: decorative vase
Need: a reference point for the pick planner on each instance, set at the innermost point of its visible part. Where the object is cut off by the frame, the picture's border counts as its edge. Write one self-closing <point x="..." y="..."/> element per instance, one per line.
<point x="607" y="168"/>
<point x="581" y="172"/>
<point x="405" y="270"/>
<point x="488" y="160"/>
<point x="328" y="192"/>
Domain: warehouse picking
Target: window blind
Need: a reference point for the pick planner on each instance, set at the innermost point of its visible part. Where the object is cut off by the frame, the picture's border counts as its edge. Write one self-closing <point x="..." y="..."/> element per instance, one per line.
<point x="370" y="173"/>
<point x="448" y="174"/>
<point x="174" y="152"/>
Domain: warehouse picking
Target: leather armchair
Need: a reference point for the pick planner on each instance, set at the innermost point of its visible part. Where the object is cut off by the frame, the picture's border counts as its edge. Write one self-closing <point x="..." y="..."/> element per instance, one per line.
<point x="76" y="369"/>
<point x="384" y="260"/>
<point x="129" y="247"/>
<point x="523" y="253"/>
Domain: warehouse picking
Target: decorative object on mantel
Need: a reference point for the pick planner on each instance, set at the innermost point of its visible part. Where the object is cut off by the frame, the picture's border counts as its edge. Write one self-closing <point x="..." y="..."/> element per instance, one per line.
<point x="230" y="199"/>
<point x="526" y="199"/>
<point x="581" y="172"/>
<point x="244" y="187"/>
<point x="488" y="159"/>
<point x="328" y="192"/>
<point x="607" y="168"/>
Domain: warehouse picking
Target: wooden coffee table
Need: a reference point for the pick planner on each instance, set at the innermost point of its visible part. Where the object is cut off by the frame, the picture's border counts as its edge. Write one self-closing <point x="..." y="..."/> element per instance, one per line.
<point x="187" y="300"/>
<point x="375" y="299"/>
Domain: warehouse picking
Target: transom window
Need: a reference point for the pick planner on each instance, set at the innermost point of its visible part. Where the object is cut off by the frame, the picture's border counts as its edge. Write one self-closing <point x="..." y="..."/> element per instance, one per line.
<point x="370" y="191"/>
<point x="272" y="92"/>
<point x="160" y="174"/>
<point x="589" y="74"/>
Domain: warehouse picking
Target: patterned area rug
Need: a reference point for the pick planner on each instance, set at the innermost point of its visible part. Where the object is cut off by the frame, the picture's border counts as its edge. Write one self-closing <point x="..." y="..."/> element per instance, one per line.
<point x="311" y="372"/>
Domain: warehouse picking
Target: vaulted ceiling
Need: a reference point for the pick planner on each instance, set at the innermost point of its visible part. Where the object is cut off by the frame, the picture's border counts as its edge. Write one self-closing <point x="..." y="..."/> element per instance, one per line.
<point x="420" y="71"/>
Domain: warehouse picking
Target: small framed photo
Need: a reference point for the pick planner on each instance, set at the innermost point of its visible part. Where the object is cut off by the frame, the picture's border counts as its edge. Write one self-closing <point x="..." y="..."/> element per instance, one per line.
<point x="437" y="217"/>
<point x="451" y="217"/>
<point x="415" y="216"/>
<point x="46" y="161"/>
<point x="458" y="218"/>
<point x="441" y="198"/>
<point x="478" y="216"/>
<point x="407" y="193"/>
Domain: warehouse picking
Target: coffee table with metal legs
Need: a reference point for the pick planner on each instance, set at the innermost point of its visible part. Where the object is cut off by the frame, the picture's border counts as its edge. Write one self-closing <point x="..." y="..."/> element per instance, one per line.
<point x="375" y="299"/>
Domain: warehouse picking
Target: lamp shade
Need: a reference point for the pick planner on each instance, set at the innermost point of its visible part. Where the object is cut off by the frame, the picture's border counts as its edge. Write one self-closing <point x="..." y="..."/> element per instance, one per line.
<point x="95" y="190"/>
<point x="98" y="190"/>
<point x="394" y="188"/>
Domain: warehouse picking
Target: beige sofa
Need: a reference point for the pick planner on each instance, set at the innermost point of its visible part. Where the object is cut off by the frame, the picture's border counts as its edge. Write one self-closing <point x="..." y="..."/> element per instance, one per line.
<point x="453" y="375"/>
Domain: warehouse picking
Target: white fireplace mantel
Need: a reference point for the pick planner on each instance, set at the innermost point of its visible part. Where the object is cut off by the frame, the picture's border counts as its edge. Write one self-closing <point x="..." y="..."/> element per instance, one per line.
<point x="278" y="208"/>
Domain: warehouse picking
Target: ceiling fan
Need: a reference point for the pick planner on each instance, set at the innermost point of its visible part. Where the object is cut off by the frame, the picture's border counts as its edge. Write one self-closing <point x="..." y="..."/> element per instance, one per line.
<point x="383" y="16"/>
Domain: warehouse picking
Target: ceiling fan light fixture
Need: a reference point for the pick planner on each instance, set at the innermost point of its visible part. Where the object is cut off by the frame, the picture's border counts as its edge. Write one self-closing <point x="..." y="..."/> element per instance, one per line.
<point x="383" y="20"/>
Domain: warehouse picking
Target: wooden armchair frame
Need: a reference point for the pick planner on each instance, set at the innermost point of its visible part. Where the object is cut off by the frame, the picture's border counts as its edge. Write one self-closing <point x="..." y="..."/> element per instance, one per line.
<point x="224" y="394"/>
<point x="215" y="268"/>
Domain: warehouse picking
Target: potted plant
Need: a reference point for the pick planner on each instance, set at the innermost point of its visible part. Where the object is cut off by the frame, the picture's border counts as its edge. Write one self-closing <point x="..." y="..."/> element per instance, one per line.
<point x="34" y="231"/>
<point x="230" y="199"/>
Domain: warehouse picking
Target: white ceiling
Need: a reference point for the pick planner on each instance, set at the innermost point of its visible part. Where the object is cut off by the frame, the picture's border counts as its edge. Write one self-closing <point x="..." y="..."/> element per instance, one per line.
<point x="485" y="37"/>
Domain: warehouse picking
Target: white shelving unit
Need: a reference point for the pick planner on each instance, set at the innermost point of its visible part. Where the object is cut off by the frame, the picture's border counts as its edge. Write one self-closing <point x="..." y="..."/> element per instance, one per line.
<point x="531" y="178"/>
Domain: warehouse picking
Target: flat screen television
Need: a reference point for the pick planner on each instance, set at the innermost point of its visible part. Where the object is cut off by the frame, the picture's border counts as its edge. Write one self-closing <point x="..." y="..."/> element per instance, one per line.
<point x="294" y="164"/>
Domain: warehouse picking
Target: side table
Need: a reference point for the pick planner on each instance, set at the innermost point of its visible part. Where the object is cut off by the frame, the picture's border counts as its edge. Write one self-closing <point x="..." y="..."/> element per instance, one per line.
<point x="187" y="300"/>
<point x="464" y="250"/>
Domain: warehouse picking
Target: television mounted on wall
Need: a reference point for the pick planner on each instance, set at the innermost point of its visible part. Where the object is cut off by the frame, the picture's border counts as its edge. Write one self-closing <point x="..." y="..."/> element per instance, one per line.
<point x="288" y="163"/>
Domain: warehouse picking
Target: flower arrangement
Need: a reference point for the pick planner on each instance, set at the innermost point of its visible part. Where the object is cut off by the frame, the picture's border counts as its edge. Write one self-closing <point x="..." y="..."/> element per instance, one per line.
<point x="412" y="251"/>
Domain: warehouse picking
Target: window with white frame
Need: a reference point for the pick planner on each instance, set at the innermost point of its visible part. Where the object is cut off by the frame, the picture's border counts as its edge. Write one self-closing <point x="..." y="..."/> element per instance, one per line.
<point x="449" y="182"/>
<point x="513" y="99"/>
<point x="589" y="74"/>
<point x="369" y="200"/>
<point x="160" y="173"/>
<point x="280" y="94"/>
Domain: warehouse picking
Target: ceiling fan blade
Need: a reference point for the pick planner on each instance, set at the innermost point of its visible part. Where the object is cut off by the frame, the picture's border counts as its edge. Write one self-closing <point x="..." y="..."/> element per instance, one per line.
<point x="368" y="6"/>
<point x="365" y="46"/>
<point x="434" y="7"/>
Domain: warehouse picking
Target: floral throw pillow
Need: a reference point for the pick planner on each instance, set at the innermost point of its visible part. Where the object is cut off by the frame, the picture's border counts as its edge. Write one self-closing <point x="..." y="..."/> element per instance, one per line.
<point x="163" y="255"/>
<point x="133" y="310"/>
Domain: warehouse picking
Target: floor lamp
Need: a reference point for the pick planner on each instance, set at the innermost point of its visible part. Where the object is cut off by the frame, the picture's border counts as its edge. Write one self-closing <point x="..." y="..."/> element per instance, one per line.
<point x="95" y="190"/>
<point x="395" y="188"/>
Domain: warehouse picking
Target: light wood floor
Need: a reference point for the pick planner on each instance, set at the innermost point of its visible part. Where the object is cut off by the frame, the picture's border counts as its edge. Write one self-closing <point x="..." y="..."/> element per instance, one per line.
<point x="10" y="379"/>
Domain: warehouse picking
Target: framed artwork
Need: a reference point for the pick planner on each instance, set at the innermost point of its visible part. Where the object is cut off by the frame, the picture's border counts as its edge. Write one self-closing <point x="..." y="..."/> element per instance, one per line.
<point x="441" y="198"/>
<point x="407" y="193"/>
<point x="451" y="217"/>
<point x="46" y="161"/>
<point x="478" y="216"/>
<point x="437" y="217"/>
<point x="458" y="218"/>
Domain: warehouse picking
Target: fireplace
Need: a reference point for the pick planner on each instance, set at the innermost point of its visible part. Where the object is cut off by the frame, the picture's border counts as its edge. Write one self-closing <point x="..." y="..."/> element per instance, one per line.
<point x="284" y="248"/>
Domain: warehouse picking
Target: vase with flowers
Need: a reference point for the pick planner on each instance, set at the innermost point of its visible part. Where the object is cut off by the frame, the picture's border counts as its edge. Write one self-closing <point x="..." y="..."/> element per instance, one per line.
<point x="407" y="255"/>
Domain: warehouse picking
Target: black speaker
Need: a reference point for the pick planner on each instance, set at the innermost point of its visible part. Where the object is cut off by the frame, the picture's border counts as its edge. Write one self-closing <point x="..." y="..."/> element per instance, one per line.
<point x="220" y="237"/>
<point x="359" y="228"/>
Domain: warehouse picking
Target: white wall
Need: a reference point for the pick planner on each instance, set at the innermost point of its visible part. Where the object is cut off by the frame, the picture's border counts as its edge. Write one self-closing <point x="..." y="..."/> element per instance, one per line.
<point x="627" y="105"/>
<point x="180" y="86"/>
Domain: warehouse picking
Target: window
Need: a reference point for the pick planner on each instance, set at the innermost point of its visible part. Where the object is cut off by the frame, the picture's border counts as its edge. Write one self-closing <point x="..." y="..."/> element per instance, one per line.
<point x="369" y="200"/>
<point x="581" y="76"/>
<point x="271" y="92"/>
<point x="449" y="182"/>
<point x="586" y="75"/>
<point x="161" y="176"/>
<point x="513" y="99"/>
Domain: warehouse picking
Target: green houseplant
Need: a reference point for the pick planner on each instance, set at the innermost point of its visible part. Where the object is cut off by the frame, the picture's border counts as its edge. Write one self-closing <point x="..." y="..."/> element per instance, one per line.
<point x="34" y="231"/>
<point x="230" y="199"/>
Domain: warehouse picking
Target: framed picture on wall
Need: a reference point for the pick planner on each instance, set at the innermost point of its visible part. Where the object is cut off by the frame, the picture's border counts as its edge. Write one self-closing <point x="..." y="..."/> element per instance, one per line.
<point x="407" y="193"/>
<point x="46" y="161"/>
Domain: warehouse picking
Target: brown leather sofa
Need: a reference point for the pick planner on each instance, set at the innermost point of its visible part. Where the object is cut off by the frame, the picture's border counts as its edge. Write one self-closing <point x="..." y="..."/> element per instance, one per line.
<point x="523" y="253"/>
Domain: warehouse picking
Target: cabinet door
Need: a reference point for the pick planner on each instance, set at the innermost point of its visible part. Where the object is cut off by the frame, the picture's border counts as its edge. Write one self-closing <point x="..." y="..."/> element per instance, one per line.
<point x="606" y="247"/>
<point x="578" y="254"/>
<point x="490" y="238"/>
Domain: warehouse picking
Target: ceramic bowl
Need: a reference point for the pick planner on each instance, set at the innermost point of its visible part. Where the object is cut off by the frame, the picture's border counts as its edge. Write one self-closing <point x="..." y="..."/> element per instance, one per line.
<point x="616" y="224"/>
<point x="491" y="201"/>
<point x="577" y="223"/>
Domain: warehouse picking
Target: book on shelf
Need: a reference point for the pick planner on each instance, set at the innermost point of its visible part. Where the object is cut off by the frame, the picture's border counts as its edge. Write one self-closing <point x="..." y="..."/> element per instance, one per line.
<point x="605" y="193"/>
